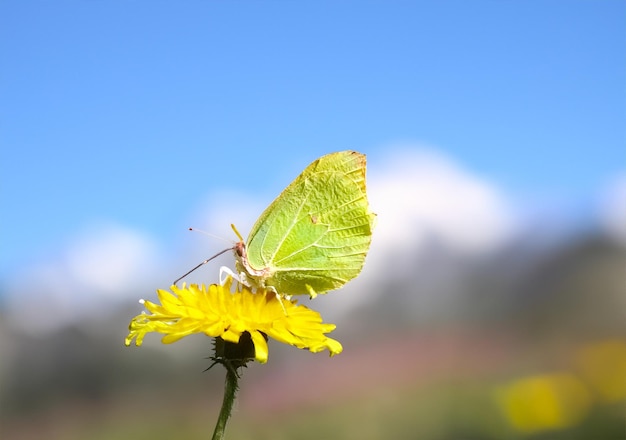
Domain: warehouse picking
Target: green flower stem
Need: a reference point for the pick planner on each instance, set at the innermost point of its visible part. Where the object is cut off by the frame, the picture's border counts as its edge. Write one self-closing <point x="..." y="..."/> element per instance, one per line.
<point x="230" y="391"/>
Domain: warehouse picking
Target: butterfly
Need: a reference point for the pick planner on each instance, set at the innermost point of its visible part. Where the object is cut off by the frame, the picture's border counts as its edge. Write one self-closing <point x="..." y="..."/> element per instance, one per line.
<point x="313" y="238"/>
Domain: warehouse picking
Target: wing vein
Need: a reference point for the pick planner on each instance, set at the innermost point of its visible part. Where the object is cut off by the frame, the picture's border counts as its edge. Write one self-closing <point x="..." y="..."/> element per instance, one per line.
<point x="290" y="228"/>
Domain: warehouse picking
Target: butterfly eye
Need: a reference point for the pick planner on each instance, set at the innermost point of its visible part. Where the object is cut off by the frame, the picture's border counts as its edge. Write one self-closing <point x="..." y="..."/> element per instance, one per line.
<point x="239" y="248"/>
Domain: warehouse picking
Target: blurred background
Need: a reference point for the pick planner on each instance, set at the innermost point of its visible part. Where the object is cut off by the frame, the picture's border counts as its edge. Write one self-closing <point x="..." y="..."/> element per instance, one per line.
<point x="492" y="303"/>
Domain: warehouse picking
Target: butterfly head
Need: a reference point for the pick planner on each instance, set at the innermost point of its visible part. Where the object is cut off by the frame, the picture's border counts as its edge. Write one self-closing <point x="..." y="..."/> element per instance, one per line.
<point x="240" y="250"/>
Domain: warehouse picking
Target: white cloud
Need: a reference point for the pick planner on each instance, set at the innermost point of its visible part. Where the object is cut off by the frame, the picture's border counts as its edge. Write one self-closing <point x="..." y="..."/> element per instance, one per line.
<point x="422" y="196"/>
<point x="107" y="259"/>
<point x="613" y="209"/>
<point x="99" y="265"/>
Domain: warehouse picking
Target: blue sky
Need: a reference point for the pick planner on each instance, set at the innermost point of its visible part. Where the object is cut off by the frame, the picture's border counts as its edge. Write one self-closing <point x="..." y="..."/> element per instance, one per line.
<point x="133" y="112"/>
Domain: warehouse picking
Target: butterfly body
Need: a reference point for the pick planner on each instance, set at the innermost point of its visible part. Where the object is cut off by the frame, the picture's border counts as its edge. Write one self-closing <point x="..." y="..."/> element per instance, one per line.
<point x="315" y="235"/>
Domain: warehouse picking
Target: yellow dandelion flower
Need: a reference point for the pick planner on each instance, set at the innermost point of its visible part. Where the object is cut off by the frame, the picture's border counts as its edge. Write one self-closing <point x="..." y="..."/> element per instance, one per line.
<point x="220" y="312"/>
<point x="544" y="402"/>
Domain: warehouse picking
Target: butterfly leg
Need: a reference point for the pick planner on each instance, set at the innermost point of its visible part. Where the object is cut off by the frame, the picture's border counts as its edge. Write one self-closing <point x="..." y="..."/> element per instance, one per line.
<point x="226" y="272"/>
<point x="280" y="298"/>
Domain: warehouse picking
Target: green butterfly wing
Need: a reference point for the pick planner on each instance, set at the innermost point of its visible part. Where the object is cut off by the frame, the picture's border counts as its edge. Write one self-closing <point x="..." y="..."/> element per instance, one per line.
<point x="314" y="237"/>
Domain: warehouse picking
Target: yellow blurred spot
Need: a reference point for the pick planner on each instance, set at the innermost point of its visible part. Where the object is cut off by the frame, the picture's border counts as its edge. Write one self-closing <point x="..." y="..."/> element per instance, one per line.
<point x="544" y="402"/>
<point x="603" y="367"/>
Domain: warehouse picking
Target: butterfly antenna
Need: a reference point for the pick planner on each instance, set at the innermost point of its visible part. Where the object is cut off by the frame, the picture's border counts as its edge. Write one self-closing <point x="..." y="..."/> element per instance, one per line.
<point x="202" y="264"/>
<point x="210" y="235"/>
